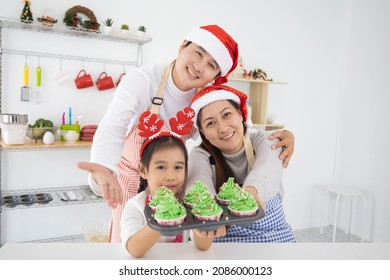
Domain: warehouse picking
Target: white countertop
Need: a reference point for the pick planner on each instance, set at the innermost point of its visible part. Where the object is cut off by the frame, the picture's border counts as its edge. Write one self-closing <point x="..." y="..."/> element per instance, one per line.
<point x="188" y="251"/>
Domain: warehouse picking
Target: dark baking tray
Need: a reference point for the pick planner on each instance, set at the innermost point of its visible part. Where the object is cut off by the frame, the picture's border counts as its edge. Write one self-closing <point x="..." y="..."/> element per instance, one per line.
<point x="25" y="199"/>
<point x="191" y="222"/>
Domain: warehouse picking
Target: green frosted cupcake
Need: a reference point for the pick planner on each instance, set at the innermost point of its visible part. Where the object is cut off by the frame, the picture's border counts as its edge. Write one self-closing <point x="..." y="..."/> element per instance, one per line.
<point x="197" y="193"/>
<point x="170" y="213"/>
<point x="243" y="205"/>
<point x="228" y="191"/>
<point x="207" y="210"/>
<point x="160" y="196"/>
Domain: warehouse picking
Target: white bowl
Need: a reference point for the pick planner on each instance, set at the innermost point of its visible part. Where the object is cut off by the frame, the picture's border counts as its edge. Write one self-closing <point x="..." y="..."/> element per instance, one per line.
<point x="71" y="136"/>
<point x="37" y="133"/>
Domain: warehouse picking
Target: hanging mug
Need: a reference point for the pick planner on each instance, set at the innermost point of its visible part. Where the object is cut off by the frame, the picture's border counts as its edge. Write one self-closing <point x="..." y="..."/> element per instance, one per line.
<point x="120" y="78"/>
<point x="104" y="82"/>
<point x="83" y="80"/>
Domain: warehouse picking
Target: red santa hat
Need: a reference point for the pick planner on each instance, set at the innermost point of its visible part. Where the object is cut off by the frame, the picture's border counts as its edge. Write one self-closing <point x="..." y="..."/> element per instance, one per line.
<point x="220" y="45"/>
<point x="214" y="93"/>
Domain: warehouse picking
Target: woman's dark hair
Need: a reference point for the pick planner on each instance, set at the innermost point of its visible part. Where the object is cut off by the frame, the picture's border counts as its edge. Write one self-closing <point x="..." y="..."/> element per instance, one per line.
<point x="222" y="168"/>
<point x="159" y="144"/>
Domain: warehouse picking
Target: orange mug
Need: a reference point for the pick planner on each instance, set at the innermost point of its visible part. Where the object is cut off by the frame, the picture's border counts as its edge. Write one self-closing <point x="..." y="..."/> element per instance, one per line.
<point x="120" y="78"/>
<point x="104" y="82"/>
<point x="83" y="80"/>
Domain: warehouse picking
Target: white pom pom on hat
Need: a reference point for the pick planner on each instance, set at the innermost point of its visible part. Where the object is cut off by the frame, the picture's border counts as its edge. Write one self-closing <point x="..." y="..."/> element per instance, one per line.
<point x="220" y="45"/>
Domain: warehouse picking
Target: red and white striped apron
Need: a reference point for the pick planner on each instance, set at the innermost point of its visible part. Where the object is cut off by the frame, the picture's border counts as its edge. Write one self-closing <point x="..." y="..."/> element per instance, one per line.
<point x="129" y="177"/>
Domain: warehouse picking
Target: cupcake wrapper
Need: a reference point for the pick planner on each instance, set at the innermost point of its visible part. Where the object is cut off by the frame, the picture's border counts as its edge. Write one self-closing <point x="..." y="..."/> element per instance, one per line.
<point x="223" y="201"/>
<point x="173" y="222"/>
<point x="207" y="218"/>
<point x="243" y="213"/>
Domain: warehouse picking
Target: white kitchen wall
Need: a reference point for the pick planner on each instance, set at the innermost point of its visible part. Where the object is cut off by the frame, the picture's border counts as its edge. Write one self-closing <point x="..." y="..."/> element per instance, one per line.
<point x="364" y="129"/>
<point x="333" y="54"/>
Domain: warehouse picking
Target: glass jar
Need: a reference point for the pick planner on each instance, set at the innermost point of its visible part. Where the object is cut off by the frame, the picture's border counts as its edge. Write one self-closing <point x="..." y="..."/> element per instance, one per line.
<point x="13" y="128"/>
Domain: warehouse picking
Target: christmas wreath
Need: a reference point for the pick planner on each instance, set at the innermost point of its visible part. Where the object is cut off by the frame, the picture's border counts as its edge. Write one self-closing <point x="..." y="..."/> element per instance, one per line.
<point x="72" y="20"/>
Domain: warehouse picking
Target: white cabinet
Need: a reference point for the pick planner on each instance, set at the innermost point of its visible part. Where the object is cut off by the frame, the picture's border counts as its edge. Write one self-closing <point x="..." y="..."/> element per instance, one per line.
<point x="62" y="216"/>
<point x="258" y="95"/>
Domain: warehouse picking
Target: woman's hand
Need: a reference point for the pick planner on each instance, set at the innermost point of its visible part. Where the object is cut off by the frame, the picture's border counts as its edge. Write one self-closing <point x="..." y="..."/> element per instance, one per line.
<point x="221" y="231"/>
<point x="106" y="180"/>
<point x="253" y="191"/>
<point x="287" y="142"/>
<point x="204" y="239"/>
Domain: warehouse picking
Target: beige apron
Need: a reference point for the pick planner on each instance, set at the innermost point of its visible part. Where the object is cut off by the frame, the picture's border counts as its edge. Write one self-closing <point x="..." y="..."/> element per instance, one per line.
<point x="249" y="150"/>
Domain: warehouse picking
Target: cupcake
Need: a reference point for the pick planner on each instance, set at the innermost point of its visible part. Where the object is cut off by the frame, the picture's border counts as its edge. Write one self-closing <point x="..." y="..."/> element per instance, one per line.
<point x="170" y="213"/>
<point x="160" y="196"/>
<point x="207" y="210"/>
<point x="228" y="191"/>
<point x="197" y="193"/>
<point x="243" y="205"/>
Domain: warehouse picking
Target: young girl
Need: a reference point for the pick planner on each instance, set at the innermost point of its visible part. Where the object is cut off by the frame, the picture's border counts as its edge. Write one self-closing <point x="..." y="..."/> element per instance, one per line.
<point x="163" y="162"/>
<point x="208" y="55"/>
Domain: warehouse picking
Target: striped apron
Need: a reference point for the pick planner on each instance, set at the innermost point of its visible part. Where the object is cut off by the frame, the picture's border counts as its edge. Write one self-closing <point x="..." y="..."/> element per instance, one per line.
<point x="128" y="165"/>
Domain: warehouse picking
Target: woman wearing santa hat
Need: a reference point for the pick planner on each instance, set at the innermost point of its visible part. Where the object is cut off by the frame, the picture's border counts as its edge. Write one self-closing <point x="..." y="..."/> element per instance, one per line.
<point x="207" y="56"/>
<point x="230" y="149"/>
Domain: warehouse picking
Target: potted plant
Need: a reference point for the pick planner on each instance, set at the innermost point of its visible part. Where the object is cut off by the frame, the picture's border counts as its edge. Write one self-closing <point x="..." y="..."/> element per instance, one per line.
<point x="108" y="25"/>
<point x="125" y="29"/>
<point x="141" y="30"/>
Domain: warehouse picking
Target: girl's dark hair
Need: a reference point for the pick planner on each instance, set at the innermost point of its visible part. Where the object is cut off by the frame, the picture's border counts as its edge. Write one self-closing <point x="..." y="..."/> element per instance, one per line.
<point x="159" y="144"/>
<point x="222" y="168"/>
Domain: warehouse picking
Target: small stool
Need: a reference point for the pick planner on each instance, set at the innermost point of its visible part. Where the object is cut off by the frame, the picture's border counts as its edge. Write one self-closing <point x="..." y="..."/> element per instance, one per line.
<point x="351" y="193"/>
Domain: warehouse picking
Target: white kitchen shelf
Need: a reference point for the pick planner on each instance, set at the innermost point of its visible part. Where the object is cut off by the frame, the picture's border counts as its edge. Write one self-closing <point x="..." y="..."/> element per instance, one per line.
<point x="84" y="195"/>
<point x="39" y="146"/>
<point x="256" y="81"/>
<point x="61" y="29"/>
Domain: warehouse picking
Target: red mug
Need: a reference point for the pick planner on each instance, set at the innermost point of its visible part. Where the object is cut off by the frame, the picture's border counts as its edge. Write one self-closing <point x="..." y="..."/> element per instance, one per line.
<point x="83" y="80"/>
<point x="120" y="78"/>
<point x="104" y="82"/>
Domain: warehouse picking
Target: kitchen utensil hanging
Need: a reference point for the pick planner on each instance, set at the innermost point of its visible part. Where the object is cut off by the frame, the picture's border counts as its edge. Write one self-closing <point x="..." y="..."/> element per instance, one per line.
<point x="25" y="90"/>
<point x="60" y="75"/>
<point x="38" y="95"/>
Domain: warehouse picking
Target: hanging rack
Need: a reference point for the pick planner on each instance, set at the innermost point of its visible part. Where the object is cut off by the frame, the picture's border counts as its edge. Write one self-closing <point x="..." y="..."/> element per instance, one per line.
<point x="69" y="57"/>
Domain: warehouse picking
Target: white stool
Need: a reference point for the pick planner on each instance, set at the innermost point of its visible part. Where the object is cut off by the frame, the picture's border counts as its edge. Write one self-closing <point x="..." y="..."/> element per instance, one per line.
<point x="351" y="193"/>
